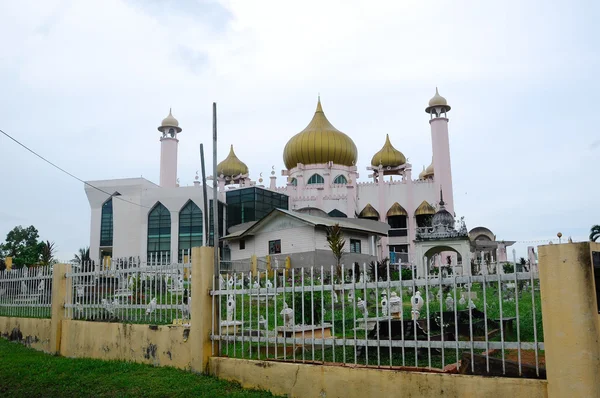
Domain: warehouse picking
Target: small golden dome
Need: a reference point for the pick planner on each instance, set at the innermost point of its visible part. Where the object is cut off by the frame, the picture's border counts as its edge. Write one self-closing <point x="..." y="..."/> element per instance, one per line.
<point x="369" y="212"/>
<point x="388" y="156"/>
<point x="319" y="143"/>
<point x="437" y="101"/>
<point x="170" y="121"/>
<point x="425" y="209"/>
<point x="428" y="172"/>
<point x="231" y="166"/>
<point x="422" y="174"/>
<point x="396" y="210"/>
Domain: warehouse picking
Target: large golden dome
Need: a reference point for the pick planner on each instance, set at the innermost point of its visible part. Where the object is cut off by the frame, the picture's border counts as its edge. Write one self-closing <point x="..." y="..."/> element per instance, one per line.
<point x="231" y="166"/>
<point x="388" y="156"/>
<point x="320" y="142"/>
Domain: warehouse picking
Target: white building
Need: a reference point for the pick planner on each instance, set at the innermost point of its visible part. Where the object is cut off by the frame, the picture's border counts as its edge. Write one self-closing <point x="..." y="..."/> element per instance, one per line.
<point x="303" y="238"/>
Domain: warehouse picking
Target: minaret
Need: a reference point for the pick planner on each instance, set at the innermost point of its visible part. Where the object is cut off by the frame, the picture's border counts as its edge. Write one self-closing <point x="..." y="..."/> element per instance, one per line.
<point x="168" y="151"/>
<point x="438" y="109"/>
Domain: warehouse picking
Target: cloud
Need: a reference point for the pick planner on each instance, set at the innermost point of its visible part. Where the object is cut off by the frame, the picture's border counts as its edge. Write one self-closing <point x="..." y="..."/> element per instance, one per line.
<point x="87" y="83"/>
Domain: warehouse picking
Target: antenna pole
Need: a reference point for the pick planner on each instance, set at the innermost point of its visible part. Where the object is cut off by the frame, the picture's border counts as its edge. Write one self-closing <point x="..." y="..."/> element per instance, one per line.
<point x="204" y="195"/>
<point x="215" y="194"/>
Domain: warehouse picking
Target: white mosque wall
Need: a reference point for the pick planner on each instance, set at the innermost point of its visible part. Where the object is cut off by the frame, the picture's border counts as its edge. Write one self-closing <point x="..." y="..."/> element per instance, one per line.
<point x="130" y="220"/>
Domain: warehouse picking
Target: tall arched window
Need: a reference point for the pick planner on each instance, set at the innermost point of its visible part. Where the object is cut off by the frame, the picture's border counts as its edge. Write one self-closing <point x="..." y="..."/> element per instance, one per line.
<point x="341" y="179"/>
<point x="190" y="228"/>
<point x="316" y="179"/>
<point x="106" y="224"/>
<point x="159" y="234"/>
<point x="294" y="182"/>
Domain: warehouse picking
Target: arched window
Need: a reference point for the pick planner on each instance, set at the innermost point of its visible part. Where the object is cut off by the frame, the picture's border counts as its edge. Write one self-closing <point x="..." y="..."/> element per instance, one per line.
<point x="316" y="179"/>
<point x="159" y="234"/>
<point x="294" y="182"/>
<point x="106" y="224"/>
<point x="190" y="229"/>
<point x="341" y="179"/>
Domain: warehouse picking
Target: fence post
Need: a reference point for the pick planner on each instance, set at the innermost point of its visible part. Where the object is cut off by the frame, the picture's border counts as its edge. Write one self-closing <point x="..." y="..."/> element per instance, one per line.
<point x="571" y="320"/>
<point x="253" y="265"/>
<point x="60" y="286"/>
<point x="201" y="312"/>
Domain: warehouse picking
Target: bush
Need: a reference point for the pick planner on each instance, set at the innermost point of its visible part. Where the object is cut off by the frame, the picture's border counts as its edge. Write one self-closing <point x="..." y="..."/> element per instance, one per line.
<point x="508" y="268"/>
<point x="310" y="311"/>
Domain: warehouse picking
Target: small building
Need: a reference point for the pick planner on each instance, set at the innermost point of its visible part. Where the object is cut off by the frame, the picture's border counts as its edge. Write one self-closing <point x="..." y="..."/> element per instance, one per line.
<point x="303" y="237"/>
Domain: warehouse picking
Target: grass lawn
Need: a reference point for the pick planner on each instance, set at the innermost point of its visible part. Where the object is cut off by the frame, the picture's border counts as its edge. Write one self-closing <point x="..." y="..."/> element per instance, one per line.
<point x="25" y="372"/>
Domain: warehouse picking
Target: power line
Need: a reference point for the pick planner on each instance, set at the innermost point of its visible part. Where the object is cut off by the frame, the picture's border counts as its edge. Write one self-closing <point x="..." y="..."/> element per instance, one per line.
<point x="69" y="174"/>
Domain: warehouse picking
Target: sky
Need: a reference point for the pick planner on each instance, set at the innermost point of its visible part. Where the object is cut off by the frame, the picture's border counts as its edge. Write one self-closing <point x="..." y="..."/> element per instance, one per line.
<point x="86" y="83"/>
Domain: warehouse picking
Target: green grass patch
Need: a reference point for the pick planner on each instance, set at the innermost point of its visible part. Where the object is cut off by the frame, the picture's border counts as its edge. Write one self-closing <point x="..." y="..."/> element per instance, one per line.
<point x="25" y="372"/>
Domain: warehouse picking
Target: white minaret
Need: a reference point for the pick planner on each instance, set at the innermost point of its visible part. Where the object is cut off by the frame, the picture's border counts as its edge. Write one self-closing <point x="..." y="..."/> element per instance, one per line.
<point x="442" y="169"/>
<point x="168" y="151"/>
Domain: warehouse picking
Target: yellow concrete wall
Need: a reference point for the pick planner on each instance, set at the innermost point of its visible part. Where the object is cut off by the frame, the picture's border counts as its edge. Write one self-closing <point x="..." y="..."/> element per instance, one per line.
<point x="300" y="380"/>
<point x="165" y="346"/>
<point x="570" y="317"/>
<point x="35" y="332"/>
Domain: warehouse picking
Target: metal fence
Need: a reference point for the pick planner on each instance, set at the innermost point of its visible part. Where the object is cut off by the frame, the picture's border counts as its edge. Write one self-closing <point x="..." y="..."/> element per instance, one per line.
<point x="382" y="316"/>
<point x="127" y="290"/>
<point x="26" y="292"/>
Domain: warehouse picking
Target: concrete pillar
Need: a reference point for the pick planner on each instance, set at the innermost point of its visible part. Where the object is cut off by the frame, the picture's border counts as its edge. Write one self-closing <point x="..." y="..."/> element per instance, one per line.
<point x="570" y="318"/>
<point x="201" y="311"/>
<point x="60" y="286"/>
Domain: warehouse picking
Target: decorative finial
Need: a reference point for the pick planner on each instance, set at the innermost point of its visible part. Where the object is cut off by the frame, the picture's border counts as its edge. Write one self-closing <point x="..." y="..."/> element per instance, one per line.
<point x="441" y="197"/>
<point x="273" y="170"/>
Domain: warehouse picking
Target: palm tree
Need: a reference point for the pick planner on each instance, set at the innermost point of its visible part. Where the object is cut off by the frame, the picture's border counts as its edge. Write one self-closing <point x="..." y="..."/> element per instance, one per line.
<point x="594" y="233"/>
<point x="83" y="256"/>
<point x="47" y="250"/>
<point x="336" y="243"/>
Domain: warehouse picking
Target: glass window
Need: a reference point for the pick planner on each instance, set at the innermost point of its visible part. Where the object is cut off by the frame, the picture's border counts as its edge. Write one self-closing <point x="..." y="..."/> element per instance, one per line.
<point x="316" y="179"/>
<point x="159" y="234"/>
<point x="106" y="224"/>
<point x="275" y="246"/>
<point x="294" y="182"/>
<point x="397" y="222"/>
<point x="340" y="180"/>
<point x="355" y="246"/>
<point x="242" y="244"/>
<point x="190" y="228"/>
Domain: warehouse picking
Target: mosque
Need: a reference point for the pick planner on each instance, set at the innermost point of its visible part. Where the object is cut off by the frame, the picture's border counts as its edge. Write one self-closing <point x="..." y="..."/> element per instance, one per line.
<point x="164" y="221"/>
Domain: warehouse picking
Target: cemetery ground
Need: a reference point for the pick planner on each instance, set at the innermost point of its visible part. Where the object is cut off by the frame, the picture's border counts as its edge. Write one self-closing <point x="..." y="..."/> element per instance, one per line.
<point x="25" y="372"/>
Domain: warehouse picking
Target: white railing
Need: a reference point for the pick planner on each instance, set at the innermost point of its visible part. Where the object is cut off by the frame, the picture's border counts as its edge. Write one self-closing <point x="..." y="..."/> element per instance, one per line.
<point x="128" y="290"/>
<point x="26" y="292"/>
<point x="486" y="324"/>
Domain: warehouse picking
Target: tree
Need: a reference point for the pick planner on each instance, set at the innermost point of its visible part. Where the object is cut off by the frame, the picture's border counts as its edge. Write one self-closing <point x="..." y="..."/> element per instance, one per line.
<point x="23" y="246"/>
<point x="336" y="243"/>
<point x="594" y="233"/>
<point x="47" y="253"/>
<point x="82" y="257"/>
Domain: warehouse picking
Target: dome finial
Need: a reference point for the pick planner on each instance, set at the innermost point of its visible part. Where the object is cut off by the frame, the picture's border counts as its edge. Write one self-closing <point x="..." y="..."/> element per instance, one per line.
<point x="441" y="198"/>
<point x="319" y="107"/>
<point x="439" y="102"/>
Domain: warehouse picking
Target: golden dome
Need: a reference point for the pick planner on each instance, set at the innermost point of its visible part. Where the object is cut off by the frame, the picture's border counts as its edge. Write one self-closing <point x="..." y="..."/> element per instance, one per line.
<point x="396" y="210"/>
<point x="170" y="121"/>
<point x="388" y="155"/>
<point x="318" y="143"/>
<point x="437" y="100"/>
<point x="422" y="174"/>
<point x="425" y="209"/>
<point x="428" y="172"/>
<point x="369" y="212"/>
<point x="231" y="166"/>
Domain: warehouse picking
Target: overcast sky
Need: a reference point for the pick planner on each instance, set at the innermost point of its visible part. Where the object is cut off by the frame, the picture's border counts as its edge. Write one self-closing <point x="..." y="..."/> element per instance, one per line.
<point x="86" y="83"/>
